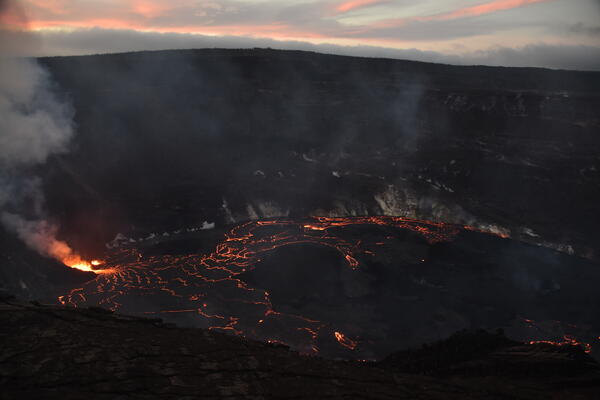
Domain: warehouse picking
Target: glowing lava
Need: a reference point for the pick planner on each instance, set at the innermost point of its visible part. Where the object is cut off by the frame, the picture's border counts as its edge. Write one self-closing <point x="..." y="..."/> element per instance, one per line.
<point x="205" y="285"/>
<point x="209" y="288"/>
<point x="345" y="341"/>
<point x="75" y="261"/>
<point x="567" y="341"/>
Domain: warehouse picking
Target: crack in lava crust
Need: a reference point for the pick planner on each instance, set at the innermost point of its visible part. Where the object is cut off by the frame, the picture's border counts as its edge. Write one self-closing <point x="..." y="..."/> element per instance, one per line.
<point x="206" y="290"/>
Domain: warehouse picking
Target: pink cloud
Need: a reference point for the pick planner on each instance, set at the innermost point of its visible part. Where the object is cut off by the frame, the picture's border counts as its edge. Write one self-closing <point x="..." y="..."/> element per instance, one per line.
<point x="487" y="8"/>
<point x="191" y="16"/>
<point x="482" y="9"/>
<point x="52" y="6"/>
<point x="149" y="8"/>
<point x="354" y="4"/>
<point x="274" y="31"/>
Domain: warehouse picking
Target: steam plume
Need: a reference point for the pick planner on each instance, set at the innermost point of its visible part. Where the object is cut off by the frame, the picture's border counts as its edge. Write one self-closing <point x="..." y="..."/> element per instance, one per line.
<point x="34" y="125"/>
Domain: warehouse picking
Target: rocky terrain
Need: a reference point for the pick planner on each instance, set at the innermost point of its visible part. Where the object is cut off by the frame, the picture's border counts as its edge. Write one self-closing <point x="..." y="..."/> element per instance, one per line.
<point x="327" y="206"/>
<point x="352" y="287"/>
<point x="30" y="276"/>
<point x="173" y="140"/>
<point x="51" y="352"/>
<point x="167" y="140"/>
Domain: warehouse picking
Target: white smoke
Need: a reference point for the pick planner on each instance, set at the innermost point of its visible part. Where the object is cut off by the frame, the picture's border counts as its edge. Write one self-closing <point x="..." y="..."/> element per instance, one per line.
<point x="40" y="235"/>
<point x="34" y="125"/>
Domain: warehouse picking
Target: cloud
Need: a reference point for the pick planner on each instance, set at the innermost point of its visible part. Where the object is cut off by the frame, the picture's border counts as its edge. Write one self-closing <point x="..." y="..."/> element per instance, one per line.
<point x="355" y="4"/>
<point x="450" y="24"/>
<point x="304" y="20"/>
<point x="482" y="9"/>
<point x="581" y="29"/>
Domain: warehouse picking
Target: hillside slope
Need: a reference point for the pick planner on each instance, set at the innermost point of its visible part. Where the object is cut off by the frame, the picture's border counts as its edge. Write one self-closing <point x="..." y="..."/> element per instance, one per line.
<point x="170" y="139"/>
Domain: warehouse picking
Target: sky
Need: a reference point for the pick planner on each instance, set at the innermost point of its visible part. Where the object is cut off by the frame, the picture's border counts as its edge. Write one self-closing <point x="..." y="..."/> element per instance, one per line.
<point x="544" y="33"/>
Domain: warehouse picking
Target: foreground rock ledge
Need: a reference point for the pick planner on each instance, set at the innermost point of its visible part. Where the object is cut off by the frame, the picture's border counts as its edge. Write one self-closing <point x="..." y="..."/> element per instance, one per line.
<point x="56" y="352"/>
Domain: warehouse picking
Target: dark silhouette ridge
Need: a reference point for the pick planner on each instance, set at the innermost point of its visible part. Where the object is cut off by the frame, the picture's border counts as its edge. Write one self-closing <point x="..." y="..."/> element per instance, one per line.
<point x="55" y="352"/>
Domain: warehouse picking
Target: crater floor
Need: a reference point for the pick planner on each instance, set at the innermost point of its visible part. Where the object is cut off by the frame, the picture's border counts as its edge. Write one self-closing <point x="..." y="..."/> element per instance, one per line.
<point x="351" y="288"/>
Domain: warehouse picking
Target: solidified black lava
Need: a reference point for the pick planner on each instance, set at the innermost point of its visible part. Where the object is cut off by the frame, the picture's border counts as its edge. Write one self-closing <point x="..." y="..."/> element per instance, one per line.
<point x="299" y="275"/>
<point x="229" y="136"/>
<point x="481" y="353"/>
<point x="355" y="288"/>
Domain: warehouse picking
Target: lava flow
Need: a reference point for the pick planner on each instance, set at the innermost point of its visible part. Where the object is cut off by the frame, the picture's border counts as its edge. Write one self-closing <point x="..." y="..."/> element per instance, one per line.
<point x="205" y="285"/>
<point x="211" y="290"/>
<point x="566" y="339"/>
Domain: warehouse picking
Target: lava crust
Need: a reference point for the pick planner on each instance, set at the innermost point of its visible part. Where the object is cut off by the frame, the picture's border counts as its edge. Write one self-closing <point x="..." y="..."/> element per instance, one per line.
<point x="354" y="288"/>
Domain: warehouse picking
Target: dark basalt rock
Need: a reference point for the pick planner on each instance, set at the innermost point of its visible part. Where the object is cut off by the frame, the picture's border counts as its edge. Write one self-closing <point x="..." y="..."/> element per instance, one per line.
<point x="53" y="352"/>
<point x="28" y="275"/>
<point x="300" y="274"/>
<point x="226" y="136"/>
<point x="166" y="140"/>
<point x="480" y="353"/>
<point x="383" y="286"/>
<point x="169" y="140"/>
